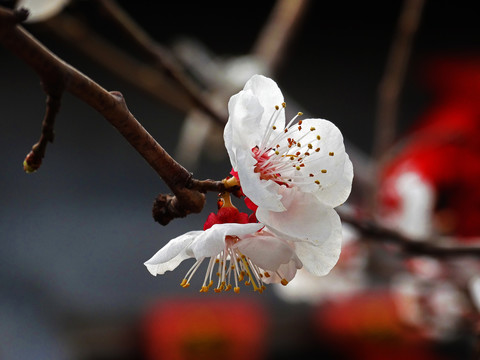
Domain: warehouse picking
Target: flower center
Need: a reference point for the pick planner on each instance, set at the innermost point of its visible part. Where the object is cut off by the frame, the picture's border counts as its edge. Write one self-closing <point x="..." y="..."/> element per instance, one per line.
<point x="283" y="156"/>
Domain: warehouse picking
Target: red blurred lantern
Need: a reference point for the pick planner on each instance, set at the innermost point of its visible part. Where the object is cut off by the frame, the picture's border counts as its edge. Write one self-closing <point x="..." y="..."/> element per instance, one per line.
<point x="205" y="328"/>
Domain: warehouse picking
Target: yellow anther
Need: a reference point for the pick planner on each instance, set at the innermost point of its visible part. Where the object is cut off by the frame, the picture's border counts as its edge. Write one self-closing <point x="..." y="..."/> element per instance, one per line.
<point x="331" y="153"/>
<point x="317" y="149"/>
<point x="284" y="282"/>
<point x="186" y="285"/>
<point x="277" y="153"/>
<point x="204" y="289"/>
<point x="236" y="290"/>
<point x="266" y="274"/>
<point x="299" y="113"/>
<point x="210" y="284"/>
<point x="299" y="145"/>
<point x="312" y="129"/>
<point x="274" y="127"/>
<point x="277" y="107"/>
<point x="217" y="261"/>
<point x="263" y="287"/>
<point x="247" y="283"/>
<point x="229" y="287"/>
<point x="217" y="290"/>
<point x="184" y="281"/>
<point x="310" y="146"/>
<point x="318" y="137"/>
<point x="317" y="182"/>
<point x="297" y="167"/>
<point x="284" y="104"/>
<point x="218" y="274"/>
<point x="324" y="171"/>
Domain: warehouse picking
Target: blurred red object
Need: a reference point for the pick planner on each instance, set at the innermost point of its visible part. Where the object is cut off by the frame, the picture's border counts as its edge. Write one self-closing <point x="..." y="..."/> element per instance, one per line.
<point x="366" y="326"/>
<point x="205" y="328"/>
<point x="443" y="150"/>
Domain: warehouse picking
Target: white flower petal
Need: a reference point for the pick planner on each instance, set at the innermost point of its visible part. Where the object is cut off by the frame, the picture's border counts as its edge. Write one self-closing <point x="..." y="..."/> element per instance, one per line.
<point x="41" y="10"/>
<point x="266" y="251"/>
<point x="288" y="272"/>
<point x="212" y="241"/>
<point x="306" y="218"/>
<point x="320" y="258"/>
<point x="269" y="95"/>
<point x="337" y="193"/>
<point x="316" y="160"/>
<point x="172" y="254"/>
<point x="241" y="130"/>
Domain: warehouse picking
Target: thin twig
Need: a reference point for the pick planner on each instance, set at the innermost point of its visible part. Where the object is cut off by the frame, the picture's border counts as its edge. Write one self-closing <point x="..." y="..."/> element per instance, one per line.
<point x="60" y="75"/>
<point x="278" y="32"/>
<point x="115" y="60"/>
<point x="376" y="232"/>
<point x="161" y="58"/>
<point x="393" y="78"/>
<point x="34" y="158"/>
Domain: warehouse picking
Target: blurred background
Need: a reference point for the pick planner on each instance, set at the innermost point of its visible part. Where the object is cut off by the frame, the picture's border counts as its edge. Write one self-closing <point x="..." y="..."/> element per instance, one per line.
<point x="75" y="234"/>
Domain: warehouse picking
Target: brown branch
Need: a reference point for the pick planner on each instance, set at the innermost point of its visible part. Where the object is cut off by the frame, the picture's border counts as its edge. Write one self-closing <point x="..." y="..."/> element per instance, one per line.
<point x="376" y="232"/>
<point x="56" y="74"/>
<point x="161" y="58"/>
<point x="393" y="78"/>
<point x="34" y="158"/>
<point x="275" y="36"/>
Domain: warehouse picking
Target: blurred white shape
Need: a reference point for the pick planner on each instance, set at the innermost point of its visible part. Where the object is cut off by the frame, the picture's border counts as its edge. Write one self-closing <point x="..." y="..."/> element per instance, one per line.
<point x="474" y="287"/>
<point x="193" y="135"/>
<point x="413" y="215"/>
<point x="436" y="307"/>
<point x="41" y="10"/>
<point x="224" y="78"/>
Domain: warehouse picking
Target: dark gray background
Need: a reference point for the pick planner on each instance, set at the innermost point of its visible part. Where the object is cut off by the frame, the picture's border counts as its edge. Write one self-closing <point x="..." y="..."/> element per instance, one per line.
<point x="75" y="234"/>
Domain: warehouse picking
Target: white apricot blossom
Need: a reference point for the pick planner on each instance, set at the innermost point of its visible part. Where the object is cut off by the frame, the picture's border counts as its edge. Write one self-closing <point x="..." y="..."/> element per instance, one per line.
<point x="269" y="154"/>
<point x="254" y="252"/>
<point x="236" y="252"/>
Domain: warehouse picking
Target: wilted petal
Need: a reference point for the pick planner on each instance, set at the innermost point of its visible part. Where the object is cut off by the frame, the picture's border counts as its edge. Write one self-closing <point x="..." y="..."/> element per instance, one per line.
<point x="172" y="254"/>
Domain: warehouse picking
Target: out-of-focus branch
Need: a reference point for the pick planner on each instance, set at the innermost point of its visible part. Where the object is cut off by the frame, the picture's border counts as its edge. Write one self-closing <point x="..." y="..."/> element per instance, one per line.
<point x="58" y="76"/>
<point x="393" y="78"/>
<point x="161" y="58"/>
<point x="275" y="36"/>
<point x="433" y="247"/>
<point x="131" y="70"/>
